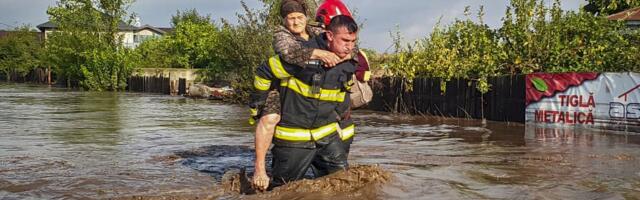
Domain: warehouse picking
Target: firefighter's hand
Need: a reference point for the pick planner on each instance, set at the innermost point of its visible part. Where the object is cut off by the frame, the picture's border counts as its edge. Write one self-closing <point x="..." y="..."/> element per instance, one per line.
<point x="260" y="180"/>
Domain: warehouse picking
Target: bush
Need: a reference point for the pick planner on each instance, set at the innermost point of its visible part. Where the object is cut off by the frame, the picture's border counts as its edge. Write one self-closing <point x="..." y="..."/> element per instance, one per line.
<point x="87" y="48"/>
<point x="533" y="38"/>
<point x="20" y="52"/>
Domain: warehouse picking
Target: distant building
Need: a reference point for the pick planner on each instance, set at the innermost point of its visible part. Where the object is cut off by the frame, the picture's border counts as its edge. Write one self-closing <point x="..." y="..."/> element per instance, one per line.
<point x="132" y="36"/>
<point x="148" y="32"/>
<point x="630" y="16"/>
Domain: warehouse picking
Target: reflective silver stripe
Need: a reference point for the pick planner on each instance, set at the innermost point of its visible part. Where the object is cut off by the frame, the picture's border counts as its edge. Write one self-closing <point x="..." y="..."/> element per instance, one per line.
<point x="313" y="62"/>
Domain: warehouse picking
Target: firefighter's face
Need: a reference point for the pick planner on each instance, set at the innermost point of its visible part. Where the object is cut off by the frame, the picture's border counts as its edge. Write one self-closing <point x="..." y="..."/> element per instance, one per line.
<point x="342" y="42"/>
<point x="295" y="22"/>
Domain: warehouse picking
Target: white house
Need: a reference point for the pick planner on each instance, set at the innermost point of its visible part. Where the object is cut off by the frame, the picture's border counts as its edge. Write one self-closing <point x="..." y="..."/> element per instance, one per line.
<point x="132" y="36"/>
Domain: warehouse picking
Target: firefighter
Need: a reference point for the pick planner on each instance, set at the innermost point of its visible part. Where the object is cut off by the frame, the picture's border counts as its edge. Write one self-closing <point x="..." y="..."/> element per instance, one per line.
<point x="288" y="44"/>
<point x="312" y="99"/>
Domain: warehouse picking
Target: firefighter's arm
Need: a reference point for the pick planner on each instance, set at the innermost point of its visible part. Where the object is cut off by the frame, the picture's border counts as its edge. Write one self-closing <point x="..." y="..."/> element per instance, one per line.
<point x="262" y="142"/>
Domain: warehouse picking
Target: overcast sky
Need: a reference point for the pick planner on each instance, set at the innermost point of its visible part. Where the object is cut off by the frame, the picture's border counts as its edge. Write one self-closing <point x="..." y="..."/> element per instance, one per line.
<point x="415" y="18"/>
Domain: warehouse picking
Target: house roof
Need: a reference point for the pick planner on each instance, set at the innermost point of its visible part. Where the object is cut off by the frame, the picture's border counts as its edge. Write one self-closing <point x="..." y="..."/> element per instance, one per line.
<point x="121" y="26"/>
<point x="632" y="14"/>
<point x="159" y="30"/>
<point x="167" y="30"/>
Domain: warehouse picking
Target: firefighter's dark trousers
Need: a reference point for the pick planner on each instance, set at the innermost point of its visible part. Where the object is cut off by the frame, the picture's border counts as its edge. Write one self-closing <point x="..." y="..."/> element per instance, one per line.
<point x="291" y="163"/>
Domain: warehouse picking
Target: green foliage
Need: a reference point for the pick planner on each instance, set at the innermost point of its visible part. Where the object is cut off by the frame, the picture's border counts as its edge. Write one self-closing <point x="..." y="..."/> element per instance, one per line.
<point x="228" y="52"/>
<point x="608" y="7"/>
<point x="20" y="52"/>
<point x="462" y="50"/>
<point x="242" y="48"/>
<point x="87" y="46"/>
<point x="155" y="53"/>
<point x="191" y="16"/>
<point x="107" y="70"/>
<point x="568" y="41"/>
<point x="191" y="44"/>
<point x="533" y="38"/>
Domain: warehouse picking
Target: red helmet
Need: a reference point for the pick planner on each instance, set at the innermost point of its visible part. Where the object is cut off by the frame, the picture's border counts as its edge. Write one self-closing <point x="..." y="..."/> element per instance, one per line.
<point x="329" y="9"/>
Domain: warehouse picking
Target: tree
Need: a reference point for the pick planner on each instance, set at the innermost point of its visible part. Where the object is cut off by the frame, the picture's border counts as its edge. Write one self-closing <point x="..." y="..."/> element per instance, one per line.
<point x="241" y="47"/>
<point x="192" y="44"/>
<point x="20" y="52"/>
<point x="608" y="7"/>
<point x="87" y="47"/>
<point x="189" y="16"/>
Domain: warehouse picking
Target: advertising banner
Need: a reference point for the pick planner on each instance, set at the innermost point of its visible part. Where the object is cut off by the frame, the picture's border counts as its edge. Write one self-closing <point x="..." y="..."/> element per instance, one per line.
<point x="593" y="100"/>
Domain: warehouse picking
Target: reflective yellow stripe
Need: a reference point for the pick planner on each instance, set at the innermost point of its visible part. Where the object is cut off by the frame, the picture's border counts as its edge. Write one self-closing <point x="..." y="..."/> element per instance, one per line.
<point x="277" y="68"/>
<point x="298" y="134"/>
<point x="367" y="75"/>
<point x="323" y="131"/>
<point x="261" y="83"/>
<point x="305" y="90"/>
<point x="348" y="132"/>
<point x="291" y="134"/>
<point x="254" y="112"/>
<point x="349" y="84"/>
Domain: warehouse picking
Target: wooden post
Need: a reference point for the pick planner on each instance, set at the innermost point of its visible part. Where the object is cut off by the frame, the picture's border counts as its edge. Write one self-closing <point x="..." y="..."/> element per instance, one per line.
<point x="49" y="75"/>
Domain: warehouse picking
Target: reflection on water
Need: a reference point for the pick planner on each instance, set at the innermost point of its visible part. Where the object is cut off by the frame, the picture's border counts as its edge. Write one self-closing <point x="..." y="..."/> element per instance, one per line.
<point x="57" y="143"/>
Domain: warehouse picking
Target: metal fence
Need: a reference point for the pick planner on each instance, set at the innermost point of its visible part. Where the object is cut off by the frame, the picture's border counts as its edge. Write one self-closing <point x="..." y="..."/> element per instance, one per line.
<point x="460" y="98"/>
<point x="149" y="84"/>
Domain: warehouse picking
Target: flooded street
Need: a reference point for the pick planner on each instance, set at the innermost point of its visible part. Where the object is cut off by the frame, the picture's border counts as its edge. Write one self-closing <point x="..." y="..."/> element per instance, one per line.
<point x="63" y="144"/>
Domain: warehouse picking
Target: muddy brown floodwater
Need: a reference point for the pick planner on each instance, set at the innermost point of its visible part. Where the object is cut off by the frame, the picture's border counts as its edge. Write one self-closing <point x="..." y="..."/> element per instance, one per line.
<point x="63" y="144"/>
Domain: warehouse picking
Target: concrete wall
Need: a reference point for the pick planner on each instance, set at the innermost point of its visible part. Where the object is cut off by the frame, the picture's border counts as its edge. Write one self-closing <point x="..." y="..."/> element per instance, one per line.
<point x="174" y="75"/>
